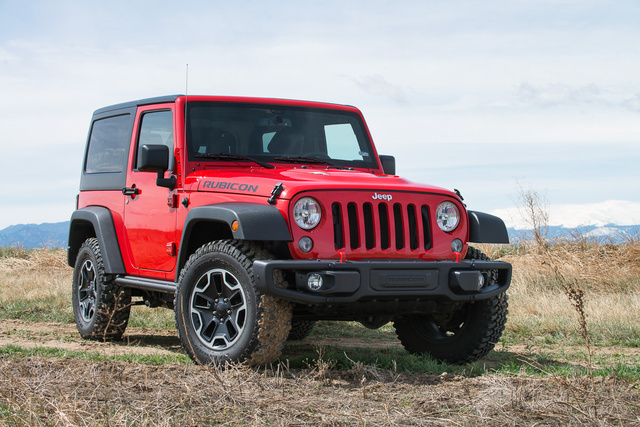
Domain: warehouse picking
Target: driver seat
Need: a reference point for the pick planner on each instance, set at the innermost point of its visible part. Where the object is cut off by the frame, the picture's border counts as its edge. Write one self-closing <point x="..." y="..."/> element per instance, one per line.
<point x="286" y="141"/>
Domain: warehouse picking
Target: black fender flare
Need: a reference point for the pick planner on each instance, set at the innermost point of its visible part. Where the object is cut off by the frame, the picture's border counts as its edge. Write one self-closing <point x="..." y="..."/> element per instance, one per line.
<point x="485" y="228"/>
<point x="95" y="221"/>
<point x="255" y="222"/>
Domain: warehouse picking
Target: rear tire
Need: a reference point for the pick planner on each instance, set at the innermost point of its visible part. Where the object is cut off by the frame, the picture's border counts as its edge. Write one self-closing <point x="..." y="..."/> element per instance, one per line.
<point x="100" y="307"/>
<point x="462" y="336"/>
<point x="300" y="329"/>
<point x="220" y="314"/>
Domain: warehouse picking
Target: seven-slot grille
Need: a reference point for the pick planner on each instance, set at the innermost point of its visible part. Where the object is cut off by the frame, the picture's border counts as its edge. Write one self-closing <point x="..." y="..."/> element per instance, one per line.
<point x="381" y="225"/>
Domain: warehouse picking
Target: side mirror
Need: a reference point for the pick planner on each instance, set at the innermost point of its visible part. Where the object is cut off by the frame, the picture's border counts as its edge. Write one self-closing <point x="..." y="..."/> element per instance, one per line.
<point x="388" y="164"/>
<point x="156" y="158"/>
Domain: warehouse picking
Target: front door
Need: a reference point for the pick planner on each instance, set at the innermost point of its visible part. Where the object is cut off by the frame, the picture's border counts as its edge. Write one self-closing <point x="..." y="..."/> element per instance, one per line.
<point x="150" y="217"/>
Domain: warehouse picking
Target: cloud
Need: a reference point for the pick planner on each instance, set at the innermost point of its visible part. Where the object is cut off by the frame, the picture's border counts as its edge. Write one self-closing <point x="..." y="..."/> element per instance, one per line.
<point x="632" y="103"/>
<point x="556" y="94"/>
<point x="378" y="85"/>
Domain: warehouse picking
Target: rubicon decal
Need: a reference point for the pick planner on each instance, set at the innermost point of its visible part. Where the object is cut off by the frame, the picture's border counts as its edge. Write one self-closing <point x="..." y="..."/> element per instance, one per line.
<point x="386" y="197"/>
<point x="233" y="186"/>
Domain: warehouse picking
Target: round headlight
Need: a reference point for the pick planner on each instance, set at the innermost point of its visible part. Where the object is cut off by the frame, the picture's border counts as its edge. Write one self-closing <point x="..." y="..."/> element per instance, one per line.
<point x="447" y="216"/>
<point x="306" y="213"/>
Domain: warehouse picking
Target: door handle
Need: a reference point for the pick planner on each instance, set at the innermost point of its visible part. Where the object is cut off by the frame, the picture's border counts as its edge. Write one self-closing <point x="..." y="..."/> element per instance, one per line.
<point x="128" y="191"/>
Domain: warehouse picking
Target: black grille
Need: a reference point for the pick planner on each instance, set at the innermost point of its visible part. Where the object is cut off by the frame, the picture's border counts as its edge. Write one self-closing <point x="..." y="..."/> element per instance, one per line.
<point x="381" y="225"/>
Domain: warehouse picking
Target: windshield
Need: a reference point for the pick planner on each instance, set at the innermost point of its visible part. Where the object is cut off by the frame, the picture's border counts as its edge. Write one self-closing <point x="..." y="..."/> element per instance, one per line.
<point x="275" y="133"/>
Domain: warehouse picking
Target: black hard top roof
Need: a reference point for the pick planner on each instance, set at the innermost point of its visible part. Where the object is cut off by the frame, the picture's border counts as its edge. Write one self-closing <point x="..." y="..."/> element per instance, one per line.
<point x="146" y="101"/>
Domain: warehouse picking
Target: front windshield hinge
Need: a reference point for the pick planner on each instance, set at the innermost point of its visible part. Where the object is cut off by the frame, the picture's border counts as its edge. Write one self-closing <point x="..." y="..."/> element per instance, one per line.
<point x="277" y="190"/>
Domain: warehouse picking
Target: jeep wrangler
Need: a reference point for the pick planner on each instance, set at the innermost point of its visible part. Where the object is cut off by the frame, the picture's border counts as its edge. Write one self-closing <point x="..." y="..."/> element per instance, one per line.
<point x="253" y="218"/>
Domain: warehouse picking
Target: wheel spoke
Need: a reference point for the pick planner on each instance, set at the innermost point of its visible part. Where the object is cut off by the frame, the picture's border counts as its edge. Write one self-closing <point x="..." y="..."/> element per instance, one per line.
<point x="210" y="329"/>
<point x="232" y="327"/>
<point x="235" y="300"/>
<point x="87" y="272"/>
<point x="202" y="302"/>
<point x="229" y="284"/>
<point x="222" y="338"/>
<point x="87" y="309"/>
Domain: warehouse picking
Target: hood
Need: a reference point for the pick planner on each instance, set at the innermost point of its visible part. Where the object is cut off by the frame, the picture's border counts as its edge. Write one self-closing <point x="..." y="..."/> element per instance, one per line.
<point x="261" y="182"/>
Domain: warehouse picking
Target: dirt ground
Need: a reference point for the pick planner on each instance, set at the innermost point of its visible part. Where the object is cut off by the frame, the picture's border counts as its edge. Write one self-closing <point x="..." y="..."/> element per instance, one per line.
<point x="66" y="337"/>
<point x="147" y="342"/>
<point x="66" y="391"/>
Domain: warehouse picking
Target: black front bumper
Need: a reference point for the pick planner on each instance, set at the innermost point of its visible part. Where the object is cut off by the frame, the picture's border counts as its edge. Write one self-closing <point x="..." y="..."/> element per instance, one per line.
<point x="353" y="281"/>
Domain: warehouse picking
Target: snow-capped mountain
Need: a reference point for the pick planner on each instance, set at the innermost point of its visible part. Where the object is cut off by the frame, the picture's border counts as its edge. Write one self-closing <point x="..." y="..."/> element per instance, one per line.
<point x="614" y="221"/>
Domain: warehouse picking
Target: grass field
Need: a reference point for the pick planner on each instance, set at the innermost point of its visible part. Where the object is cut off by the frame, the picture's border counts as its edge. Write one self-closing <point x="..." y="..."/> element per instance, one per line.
<point x="562" y="359"/>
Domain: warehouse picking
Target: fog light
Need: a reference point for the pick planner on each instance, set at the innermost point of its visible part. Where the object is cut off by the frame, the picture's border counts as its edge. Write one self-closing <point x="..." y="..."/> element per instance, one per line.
<point x="305" y="244"/>
<point x="480" y="281"/>
<point x="314" y="282"/>
<point x="456" y="245"/>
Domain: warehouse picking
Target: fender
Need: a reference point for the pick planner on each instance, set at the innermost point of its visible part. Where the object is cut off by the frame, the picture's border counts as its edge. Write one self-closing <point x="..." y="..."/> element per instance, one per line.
<point x="485" y="228"/>
<point x="95" y="221"/>
<point x="255" y="222"/>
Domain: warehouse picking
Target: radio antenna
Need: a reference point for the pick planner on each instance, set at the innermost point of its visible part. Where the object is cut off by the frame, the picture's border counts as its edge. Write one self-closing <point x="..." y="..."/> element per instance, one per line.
<point x="186" y="95"/>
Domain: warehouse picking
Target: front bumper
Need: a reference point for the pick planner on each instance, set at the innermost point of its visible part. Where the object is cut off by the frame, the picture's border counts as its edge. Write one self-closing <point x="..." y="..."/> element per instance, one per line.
<point x="353" y="281"/>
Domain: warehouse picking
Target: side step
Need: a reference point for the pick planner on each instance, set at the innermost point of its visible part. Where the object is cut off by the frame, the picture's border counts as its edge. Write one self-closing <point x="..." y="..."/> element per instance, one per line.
<point x="146" y="284"/>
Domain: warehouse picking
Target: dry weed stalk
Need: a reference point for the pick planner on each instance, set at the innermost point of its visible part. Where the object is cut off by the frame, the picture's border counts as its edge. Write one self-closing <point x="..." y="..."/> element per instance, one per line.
<point x="539" y="218"/>
<point x="320" y="367"/>
<point x="535" y="214"/>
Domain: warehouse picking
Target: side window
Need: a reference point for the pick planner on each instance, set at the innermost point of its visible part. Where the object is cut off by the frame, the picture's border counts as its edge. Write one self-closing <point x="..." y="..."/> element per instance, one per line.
<point x="342" y="142"/>
<point x="156" y="128"/>
<point x="108" y="145"/>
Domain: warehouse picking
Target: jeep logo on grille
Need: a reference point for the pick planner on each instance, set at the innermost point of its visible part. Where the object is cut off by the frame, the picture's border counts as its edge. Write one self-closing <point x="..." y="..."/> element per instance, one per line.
<point x="386" y="197"/>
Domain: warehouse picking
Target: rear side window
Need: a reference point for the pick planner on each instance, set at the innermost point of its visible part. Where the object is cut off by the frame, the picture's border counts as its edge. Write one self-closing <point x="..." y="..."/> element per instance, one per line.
<point x="108" y="145"/>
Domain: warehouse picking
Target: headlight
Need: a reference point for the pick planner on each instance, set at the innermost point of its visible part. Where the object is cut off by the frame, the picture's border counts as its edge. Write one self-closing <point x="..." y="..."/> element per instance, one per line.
<point x="306" y="213"/>
<point x="447" y="216"/>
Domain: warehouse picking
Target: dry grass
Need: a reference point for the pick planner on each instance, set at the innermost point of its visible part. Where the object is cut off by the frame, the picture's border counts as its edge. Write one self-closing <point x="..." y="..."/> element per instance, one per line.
<point x="45" y="391"/>
<point x="609" y="276"/>
<point x="34" y="274"/>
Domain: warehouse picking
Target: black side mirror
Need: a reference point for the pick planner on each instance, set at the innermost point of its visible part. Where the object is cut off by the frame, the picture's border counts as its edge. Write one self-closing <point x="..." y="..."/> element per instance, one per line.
<point x="156" y="158"/>
<point x="388" y="164"/>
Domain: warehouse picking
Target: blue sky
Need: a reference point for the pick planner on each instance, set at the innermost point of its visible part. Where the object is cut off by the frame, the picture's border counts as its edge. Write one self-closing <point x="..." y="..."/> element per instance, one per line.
<point x="471" y="95"/>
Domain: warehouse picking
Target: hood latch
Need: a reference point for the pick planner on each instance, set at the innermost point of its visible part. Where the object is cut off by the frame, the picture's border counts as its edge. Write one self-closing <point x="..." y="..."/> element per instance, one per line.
<point x="277" y="190"/>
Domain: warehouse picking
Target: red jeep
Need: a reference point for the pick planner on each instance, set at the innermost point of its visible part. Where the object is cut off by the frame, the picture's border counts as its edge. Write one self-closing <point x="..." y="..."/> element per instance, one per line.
<point x="254" y="218"/>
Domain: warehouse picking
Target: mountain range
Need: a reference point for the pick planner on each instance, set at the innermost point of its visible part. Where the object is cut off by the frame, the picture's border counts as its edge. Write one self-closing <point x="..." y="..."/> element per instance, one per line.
<point x="55" y="235"/>
<point x="47" y="235"/>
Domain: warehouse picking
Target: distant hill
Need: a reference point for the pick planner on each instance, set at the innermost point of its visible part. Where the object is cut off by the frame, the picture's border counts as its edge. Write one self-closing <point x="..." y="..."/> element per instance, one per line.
<point x="48" y="235"/>
<point x="55" y="235"/>
<point x="609" y="233"/>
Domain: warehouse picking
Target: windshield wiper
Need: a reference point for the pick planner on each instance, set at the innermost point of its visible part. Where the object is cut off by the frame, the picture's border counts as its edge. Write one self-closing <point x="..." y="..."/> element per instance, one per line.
<point x="234" y="157"/>
<point x="301" y="159"/>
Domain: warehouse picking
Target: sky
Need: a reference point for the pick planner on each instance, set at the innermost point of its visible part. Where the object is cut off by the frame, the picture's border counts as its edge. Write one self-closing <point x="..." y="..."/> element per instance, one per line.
<point x="485" y="97"/>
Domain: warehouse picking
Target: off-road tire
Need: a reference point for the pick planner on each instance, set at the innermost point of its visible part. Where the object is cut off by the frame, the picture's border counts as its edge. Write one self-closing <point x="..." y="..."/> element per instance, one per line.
<point x="100" y="307"/>
<point x="220" y="315"/>
<point x="300" y="329"/>
<point x="464" y="336"/>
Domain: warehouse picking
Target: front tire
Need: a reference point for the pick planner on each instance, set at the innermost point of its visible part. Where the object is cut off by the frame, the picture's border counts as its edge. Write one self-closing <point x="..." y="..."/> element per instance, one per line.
<point x="100" y="307"/>
<point x="462" y="336"/>
<point x="221" y="316"/>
